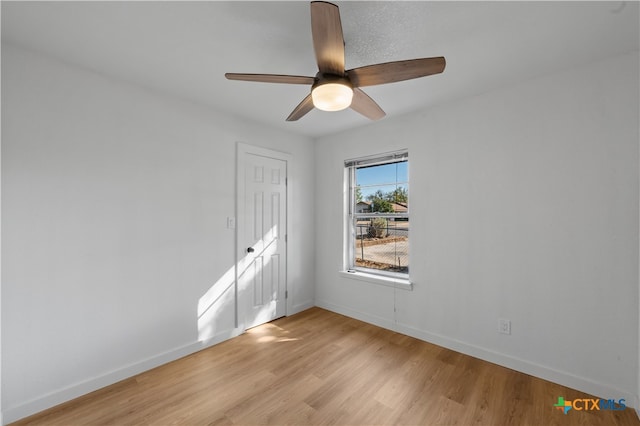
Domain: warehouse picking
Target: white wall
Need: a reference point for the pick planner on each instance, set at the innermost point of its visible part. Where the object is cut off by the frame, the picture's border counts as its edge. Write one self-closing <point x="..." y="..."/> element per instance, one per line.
<point x="524" y="205"/>
<point x="115" y="201"/>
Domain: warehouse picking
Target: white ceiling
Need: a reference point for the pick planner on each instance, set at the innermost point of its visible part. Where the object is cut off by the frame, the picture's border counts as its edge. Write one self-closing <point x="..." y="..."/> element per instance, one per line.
<point x="184" y="48"/>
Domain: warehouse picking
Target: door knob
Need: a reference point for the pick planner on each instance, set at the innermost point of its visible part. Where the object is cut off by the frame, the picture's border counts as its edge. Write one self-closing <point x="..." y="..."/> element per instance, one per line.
<point x="250" y="250"/>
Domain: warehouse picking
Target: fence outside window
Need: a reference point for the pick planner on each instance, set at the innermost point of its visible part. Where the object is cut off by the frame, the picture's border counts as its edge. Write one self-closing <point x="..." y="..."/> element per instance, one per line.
<point x="382" y="243"/>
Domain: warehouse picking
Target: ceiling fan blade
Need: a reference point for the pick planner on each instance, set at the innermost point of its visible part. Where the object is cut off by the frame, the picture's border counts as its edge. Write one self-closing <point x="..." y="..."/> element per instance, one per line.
<point x="328" y="41"/>
<point x="271" y="78"/>
<point x="366" y="106"/>
<point x="390" y="72"/>
<point x="303" y="107"/>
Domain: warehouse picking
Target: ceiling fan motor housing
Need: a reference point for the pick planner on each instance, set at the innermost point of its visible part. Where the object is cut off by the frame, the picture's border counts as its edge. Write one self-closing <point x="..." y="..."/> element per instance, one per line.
<point x="322" y="78"/>
<point x="331" y="92"/>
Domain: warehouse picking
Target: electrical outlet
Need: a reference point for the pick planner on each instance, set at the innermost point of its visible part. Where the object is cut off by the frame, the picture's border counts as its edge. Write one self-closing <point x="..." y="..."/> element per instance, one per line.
<point x="504" y="326"/>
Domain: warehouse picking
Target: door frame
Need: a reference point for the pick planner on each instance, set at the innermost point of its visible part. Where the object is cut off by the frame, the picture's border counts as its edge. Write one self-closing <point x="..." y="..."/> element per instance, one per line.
<point x="242" y="149"/>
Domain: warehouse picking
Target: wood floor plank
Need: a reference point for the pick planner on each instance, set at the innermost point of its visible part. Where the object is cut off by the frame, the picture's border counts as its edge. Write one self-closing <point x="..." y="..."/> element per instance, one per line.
<point x="321" y="368"/>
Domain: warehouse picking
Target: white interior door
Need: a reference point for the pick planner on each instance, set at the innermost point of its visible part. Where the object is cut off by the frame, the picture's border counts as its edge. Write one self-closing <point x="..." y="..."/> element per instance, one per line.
<point x="262" y="208"/>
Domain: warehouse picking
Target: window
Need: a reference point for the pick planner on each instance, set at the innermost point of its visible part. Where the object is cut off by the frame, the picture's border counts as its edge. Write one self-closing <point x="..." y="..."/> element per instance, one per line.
<point x="378" y="215"/>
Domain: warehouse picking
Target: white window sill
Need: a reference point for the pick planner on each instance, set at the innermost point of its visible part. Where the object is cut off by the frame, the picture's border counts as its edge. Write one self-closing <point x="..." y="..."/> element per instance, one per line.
<point x="400" y="283"/>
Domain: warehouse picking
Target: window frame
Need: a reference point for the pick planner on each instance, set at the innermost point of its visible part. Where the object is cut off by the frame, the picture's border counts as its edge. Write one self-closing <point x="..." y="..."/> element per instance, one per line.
<point x="352" y="217"/>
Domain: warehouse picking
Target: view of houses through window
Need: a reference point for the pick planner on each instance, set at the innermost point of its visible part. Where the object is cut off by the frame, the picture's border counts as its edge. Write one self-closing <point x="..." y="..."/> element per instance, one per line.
<point x="380" y="214"/>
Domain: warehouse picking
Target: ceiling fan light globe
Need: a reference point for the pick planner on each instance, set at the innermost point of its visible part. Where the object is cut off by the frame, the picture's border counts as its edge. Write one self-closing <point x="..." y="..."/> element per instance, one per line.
<point x="332" y="96"/>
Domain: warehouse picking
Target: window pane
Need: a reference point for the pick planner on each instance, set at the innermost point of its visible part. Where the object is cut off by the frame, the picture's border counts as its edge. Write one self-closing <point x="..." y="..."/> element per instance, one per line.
<point x="382" y="244"/>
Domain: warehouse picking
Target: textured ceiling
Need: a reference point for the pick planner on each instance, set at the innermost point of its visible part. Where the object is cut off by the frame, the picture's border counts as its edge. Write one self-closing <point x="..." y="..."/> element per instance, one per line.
<point x="184" y="48"/>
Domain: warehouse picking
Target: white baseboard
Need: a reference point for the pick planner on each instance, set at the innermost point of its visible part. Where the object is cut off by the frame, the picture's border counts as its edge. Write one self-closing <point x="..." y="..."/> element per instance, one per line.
<point x="556" y="376"/>
<point x="301" y="307"/>
<point x="57" y="397"/>
<point x="563" y="378"/>
<point x="362" y="316"/>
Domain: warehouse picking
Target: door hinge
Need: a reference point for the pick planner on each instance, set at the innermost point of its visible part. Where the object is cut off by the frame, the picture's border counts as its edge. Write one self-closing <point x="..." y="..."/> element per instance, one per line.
<point x="286" y="294"/>
<point x="285" y="238"/>
<point x="286" y="181"/>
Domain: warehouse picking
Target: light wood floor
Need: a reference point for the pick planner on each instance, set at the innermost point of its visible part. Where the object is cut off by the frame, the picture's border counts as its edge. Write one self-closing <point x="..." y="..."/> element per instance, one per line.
<point x="318" y="367"/>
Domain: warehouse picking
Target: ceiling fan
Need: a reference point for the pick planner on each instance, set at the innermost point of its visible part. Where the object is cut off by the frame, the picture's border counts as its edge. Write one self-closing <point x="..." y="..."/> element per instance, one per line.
<point x="334" y="88"/>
